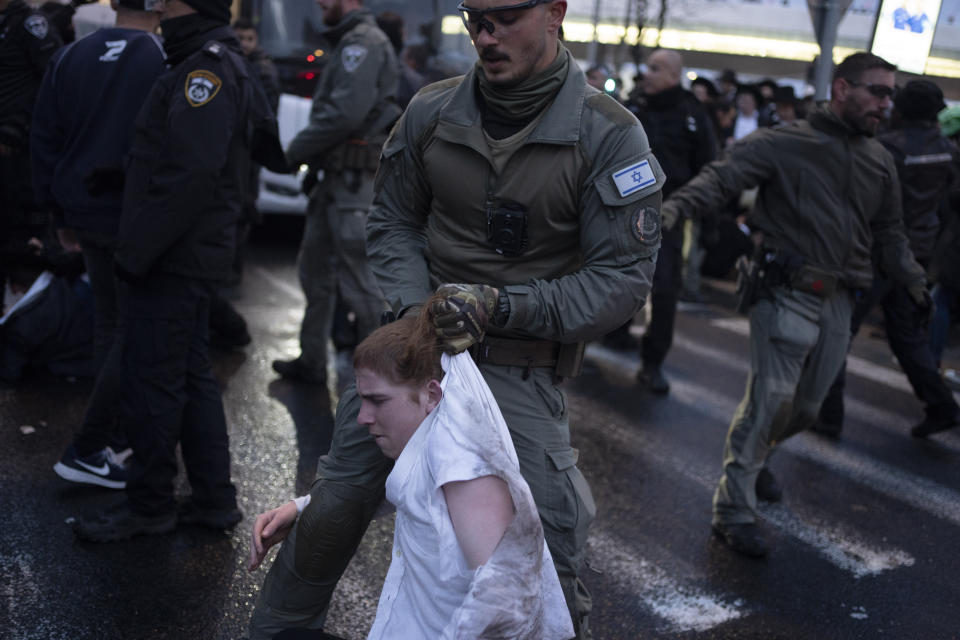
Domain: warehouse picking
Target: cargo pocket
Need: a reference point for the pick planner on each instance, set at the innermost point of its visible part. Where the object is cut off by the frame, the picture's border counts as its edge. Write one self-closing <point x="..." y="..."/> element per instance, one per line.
<point x="795" y="330"/>
<point x="554" y="399"/>
<point x="568" y="512"/>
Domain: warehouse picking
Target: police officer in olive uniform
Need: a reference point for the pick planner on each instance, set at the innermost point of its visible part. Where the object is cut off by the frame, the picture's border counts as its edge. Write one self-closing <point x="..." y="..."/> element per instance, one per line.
<point x="353" y="108"/>
<point x="27" y="41"/>
<point x="182" y="201"/>
<point x="531" y="202"/>
<point x="828" y="197"/>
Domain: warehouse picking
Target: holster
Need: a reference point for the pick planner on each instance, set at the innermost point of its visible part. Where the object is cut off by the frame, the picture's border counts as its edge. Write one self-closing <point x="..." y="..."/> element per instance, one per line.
<point x="749" y="283"/>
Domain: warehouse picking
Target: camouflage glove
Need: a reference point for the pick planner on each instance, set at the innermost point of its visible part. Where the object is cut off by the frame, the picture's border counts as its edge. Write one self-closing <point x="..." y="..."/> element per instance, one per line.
<point x="461" y="316"/>
<point x="924" y="301"/>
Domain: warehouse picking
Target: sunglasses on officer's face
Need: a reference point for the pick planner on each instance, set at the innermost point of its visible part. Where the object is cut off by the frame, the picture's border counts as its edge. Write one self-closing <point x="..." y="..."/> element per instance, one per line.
<point x="876" y="90"/>
<point x="476" y="19"/>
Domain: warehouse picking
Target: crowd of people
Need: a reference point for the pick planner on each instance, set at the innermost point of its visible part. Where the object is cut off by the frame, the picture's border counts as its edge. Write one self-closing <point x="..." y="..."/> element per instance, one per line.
<point x="481" y="229"/>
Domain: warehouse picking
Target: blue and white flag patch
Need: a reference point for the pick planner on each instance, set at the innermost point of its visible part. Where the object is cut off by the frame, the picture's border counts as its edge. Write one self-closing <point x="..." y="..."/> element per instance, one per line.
<point x="633" y="178"/>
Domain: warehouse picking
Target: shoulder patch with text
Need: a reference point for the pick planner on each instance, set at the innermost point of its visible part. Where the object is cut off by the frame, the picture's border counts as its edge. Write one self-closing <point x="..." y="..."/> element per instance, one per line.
<point x="201" y="87"/>
<point x="633" y="178"/>
<point x="352" y="56"/>
<point x="37" y="26"/>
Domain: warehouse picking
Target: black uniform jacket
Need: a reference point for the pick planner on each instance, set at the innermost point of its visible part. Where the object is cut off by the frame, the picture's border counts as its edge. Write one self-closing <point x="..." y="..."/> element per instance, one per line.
<point x="679" y="131"/>
<point x="27" y="40"/>
<point x="927" y="164"/>
<point x="189" y="164"/>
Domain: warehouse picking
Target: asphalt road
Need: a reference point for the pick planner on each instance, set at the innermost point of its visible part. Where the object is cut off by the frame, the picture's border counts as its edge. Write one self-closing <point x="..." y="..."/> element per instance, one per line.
<point x="865" y="539"/>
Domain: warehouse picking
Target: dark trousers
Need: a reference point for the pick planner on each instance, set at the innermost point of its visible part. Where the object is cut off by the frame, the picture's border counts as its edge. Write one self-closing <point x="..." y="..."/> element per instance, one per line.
<point x="99" y="428"/>
<point x="169" y="396"/>
<point x="908" y="340"/>
<point x="667" y="280"/>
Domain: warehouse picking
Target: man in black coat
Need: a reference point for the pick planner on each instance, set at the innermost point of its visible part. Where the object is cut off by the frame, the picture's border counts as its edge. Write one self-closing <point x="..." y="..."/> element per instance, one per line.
<point x="926" y="163"/>
<point x="182" y="201"/>
<point x="681" y="135"/>
<point x="27" y="41"/>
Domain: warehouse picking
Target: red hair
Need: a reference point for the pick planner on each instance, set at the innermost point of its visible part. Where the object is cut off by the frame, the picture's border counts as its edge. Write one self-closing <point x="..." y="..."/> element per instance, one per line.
<point x="406" y="351"/>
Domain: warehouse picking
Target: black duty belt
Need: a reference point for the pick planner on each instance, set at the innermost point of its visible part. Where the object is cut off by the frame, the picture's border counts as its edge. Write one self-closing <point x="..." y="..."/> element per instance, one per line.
<point x="516" y="353"/>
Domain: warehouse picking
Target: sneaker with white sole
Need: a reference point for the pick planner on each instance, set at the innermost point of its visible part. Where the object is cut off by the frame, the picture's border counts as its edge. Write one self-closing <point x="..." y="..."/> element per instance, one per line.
<point x="103" y="468"/>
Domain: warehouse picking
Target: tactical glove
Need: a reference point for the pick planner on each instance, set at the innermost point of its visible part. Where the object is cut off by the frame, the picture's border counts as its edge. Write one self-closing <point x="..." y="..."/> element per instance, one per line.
<point x="924" y="301"/>
<point x="462" y="314"/>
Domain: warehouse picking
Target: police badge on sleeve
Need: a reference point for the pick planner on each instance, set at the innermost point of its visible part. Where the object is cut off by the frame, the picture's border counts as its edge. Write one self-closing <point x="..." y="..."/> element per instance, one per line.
<point x="201" y="87"/>
<point x="37" y="26"/>
<point x="352" y="56"/>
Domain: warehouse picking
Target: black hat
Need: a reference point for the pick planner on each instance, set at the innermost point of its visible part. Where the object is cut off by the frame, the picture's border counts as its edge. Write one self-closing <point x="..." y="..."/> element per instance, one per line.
<point x="784" y="95"/>
<point x="709" y="86"/>
<point x="219" y="10"/>
<point x="919" y="100"/>
<point x="141" y="5"/>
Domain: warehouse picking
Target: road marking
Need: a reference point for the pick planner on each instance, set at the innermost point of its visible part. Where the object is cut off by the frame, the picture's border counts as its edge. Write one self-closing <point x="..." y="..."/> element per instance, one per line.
<point x="20" y="589"/>
<point x="856" y="365"/>
<point x="843" y="548"/>
<point x="293" y="291"/>
<point x="684" y="607"/>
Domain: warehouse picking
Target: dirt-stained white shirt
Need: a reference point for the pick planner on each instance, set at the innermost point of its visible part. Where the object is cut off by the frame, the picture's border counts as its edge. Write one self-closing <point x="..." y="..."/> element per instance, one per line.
<point x="430" y="591"/>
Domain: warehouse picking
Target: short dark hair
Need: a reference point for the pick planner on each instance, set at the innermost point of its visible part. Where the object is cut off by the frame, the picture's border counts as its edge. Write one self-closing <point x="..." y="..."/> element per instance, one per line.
<point x="243" y="23"/>
<point x="856" y="64"/>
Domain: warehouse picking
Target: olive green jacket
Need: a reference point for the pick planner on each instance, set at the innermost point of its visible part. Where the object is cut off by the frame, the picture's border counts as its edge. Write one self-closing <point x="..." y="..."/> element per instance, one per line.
<point x="827" y="193"/>
<point x="586" y="176"/>
<point x="355" y="97"/>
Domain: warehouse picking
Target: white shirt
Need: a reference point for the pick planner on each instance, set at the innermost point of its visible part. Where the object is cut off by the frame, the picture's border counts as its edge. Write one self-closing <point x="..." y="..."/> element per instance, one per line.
<point x="430" y="592"/>
<point x="745" y="125"/>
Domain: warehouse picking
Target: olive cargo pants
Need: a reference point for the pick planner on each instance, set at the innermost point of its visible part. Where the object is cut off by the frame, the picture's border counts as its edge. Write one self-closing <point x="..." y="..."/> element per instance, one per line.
<point x="798" y="343"/>
<point x="333" y="255"/>
<point x="350" y="486"/>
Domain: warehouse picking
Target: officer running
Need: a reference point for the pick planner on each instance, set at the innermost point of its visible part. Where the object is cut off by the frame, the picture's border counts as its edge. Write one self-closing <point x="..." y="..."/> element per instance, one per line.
<point x="531" y="202"/>
<point x="828" y="196"/>
<point x="353" y="108"/>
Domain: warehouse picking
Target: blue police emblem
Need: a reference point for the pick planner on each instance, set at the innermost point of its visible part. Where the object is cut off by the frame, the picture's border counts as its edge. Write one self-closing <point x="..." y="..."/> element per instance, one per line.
<point x="201" y="87"/>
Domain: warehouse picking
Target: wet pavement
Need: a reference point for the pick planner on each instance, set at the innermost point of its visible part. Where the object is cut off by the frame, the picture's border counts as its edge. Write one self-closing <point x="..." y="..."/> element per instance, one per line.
<point x="865" y="539"/>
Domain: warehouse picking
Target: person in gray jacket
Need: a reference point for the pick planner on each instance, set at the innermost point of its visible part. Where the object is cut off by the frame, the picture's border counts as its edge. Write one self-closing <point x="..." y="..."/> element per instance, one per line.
<point x="828" y="196"/>
<point x="353" y="109"/>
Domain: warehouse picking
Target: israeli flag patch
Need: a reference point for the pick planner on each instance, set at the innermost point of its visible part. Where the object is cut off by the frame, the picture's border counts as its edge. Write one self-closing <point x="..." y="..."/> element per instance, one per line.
<point x="633" y="178"/>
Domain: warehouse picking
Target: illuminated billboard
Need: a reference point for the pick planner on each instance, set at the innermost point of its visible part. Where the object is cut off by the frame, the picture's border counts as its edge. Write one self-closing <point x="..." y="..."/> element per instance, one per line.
<point x="904" y="32"/>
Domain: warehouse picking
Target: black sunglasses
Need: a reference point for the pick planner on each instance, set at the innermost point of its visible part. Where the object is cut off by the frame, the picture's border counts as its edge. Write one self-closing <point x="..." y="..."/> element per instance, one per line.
<point x="876" y="90"/>
<point x="474" y="19"/>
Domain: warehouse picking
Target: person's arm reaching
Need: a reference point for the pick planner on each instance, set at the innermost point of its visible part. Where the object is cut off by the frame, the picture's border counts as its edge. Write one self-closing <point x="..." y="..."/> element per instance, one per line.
<point x="272" y="527"/>
<point x="481" y="510"/>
